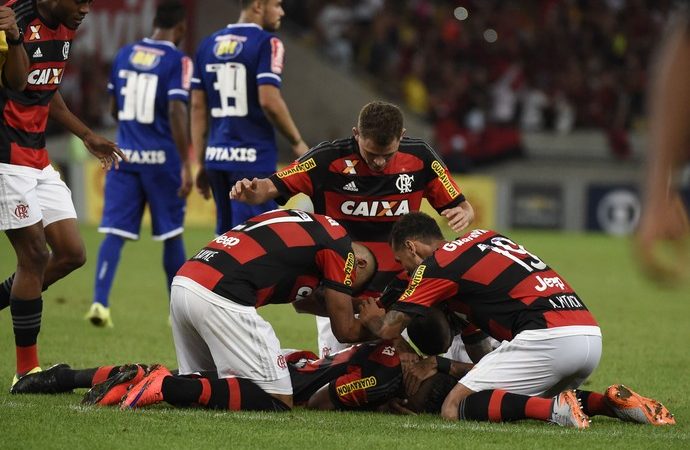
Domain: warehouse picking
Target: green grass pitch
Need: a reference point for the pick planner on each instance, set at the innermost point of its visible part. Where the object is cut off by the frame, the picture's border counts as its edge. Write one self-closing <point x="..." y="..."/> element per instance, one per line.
<point x="646" y="345"/>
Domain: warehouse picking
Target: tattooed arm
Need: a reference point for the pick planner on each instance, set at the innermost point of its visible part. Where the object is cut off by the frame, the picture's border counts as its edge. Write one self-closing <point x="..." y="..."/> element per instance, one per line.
<point x="384" y="325"/>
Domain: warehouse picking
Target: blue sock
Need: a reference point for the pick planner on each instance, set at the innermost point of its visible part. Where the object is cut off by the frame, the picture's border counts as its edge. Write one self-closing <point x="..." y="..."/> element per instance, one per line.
<point x="173" y="257"/>
<point x="108" y="259"/>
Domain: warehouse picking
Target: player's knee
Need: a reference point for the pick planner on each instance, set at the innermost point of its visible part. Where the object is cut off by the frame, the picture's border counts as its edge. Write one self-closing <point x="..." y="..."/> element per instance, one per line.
<point x="33" y="257"/>
<point x="73" y="259"/>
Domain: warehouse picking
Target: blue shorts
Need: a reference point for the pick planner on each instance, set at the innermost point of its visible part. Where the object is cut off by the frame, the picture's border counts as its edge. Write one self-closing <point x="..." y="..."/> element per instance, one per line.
<point x="232" y="213"/>
<point x="127" y="193"/>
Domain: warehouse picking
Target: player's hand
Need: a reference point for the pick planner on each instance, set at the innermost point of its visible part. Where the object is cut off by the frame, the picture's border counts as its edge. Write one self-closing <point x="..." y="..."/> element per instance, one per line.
<point x="246" y="191"/>
<point x="370" y="310"/>
<point x="186" y="185"/>
<point x="662" y="240"/>
<point x="416" y="373"/>
<point x="459" y="217"/>
<point x="8" y="22"/>
<point x="202" y="186"/>
<point x="105" y="150"/>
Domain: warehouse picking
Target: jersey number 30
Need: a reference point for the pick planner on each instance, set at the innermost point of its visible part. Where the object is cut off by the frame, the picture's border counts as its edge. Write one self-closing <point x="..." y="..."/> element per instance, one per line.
<point x="231" y="85"/>
<point x="139" y="96"/>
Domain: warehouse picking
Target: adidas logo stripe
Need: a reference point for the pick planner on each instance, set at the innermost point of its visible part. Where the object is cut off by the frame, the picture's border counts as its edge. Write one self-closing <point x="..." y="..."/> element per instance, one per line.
<point x="351" y="186"/>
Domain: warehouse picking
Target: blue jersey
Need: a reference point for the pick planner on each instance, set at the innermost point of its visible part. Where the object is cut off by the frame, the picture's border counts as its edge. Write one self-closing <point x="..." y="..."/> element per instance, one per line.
<point x="229" y="67"/>
<point x="145" y="77"/>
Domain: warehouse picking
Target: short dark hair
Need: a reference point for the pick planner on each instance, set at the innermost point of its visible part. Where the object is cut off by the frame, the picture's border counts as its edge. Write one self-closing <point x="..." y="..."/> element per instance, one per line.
<point x="431" y="394"/>
<point x="415" y="225"/>
<point x="381" y="122"/>
<point x="244" y="4"/>
<point x="430" y="332"/>
<point x="169" y="13"/>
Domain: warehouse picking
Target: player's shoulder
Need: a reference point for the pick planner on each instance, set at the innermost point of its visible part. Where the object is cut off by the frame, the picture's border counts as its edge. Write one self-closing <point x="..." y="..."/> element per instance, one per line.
<point x="417" y="147"/>
<point x="24" y="10"/>
<point x="332" y="149"/>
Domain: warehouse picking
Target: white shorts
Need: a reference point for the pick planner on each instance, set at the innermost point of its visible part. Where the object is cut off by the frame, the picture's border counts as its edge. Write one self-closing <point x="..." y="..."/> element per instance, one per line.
<point x="214" y="333"/>
<point x="539" y="362"/>
<point x="328" y="344"/>
<point x="30" y="195"/>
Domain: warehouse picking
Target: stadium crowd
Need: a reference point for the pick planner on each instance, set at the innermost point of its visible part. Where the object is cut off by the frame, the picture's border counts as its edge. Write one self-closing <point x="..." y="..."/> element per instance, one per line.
<point x="473" y="65"/>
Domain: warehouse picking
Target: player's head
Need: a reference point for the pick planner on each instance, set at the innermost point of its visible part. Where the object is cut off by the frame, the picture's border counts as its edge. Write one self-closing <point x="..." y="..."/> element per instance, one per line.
<point x="431" y="394"/>
<point x="70" y="13"/>
<point x="365" y="266"/>
<point x="378" y="133"/>
<point x="265" y="13"/>
<point x="414" y="237"/>
<point x="170" y="16"/>
<point x="431" y="332"/>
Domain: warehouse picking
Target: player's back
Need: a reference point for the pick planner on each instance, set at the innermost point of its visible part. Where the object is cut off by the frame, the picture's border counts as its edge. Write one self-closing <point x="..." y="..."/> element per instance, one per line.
<point x="275" y="257"/>
<point x="145" y="77"/>
<point x="502" y="287"/>
<point x="229" y="66"/>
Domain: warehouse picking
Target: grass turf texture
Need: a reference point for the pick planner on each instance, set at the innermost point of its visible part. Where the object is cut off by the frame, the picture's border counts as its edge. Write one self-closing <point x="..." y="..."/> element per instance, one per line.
<point x="646" y="338"/>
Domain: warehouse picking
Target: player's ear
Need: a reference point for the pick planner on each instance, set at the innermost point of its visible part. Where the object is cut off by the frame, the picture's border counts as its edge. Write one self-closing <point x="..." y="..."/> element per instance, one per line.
<point x="403" y="133"/>
<point x="355" y="132"/>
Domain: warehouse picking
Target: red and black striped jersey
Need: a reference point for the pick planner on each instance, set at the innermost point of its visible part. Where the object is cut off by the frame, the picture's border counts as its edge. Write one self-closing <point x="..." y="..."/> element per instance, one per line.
<point x="25" y="114"/>
<point x="365" y="202"/>
<point x="275" y="257"/>
<point x="363" y="376"/>
<point x="501" y="287"/>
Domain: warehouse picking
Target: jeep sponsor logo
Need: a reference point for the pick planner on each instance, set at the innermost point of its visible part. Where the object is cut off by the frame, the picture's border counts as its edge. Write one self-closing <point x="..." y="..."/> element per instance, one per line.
<point x="43" y="77"/>
<point x="375" y="208"/>
<point x="438" y="168"/>
<point x="545" y="283"/>
<point x="356" y="385"/>
<point x="454" y="245"/>
<point x="349" y="267"/>
<point x="304" y="166"/>
<point x="227" y="241"/>
<point x="414" y="282"/>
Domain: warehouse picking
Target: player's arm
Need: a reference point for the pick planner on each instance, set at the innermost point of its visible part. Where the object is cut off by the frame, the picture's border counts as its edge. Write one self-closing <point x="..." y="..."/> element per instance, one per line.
<point x="16" y="67"/>
<point x="178" y="115"/>
<point x="312" y="304"/>
<point x="103" y="149"/>
<point x="199" y="130"/>
<point x="345" y="326"/>
<point x="386" y="325"/>
<point x="277" y="112"/>
<point x="664" y="217"/>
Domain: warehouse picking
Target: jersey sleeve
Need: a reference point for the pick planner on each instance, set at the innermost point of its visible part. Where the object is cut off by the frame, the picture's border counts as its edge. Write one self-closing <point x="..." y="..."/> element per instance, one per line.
<point x="180" y="79"/>
<point x="271" y="61"/>
<point x="441" y="190"/>
<point x="427" y="288"/>
<point x="337" y="265"/>
<point x="302" y="176"/>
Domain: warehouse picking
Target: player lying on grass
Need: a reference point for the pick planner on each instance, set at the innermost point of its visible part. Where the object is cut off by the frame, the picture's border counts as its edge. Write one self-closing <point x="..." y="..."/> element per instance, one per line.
<point x="550" y="341"/>
<point x="371" y="377"/>
<point x="276" y="257"/>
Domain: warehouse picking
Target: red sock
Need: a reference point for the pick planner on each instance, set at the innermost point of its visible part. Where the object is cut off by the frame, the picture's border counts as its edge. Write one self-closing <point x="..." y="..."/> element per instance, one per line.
<point x="501" y="406"/>
<point x="594" y="404"/>
<point x="27" y="358"/>
<point x="102" y="374"/>
<point x="538" y="408"/>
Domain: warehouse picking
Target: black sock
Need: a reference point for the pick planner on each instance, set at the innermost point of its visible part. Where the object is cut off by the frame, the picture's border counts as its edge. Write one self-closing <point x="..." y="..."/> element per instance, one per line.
<point x="226" y="393"/>
<point x="500" y="406"/>
<point x="26" y="320"/>
<point x="5" y="290"/>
